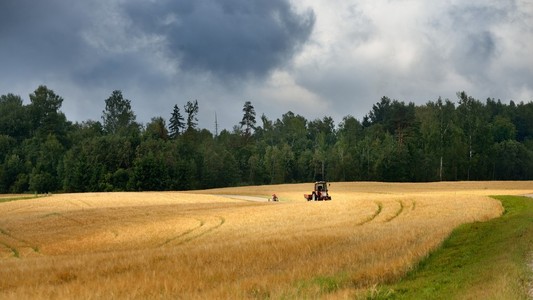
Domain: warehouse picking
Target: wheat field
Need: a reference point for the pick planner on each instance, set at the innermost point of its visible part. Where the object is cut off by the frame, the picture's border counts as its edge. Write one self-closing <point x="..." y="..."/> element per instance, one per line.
<point x="213" y="244"/>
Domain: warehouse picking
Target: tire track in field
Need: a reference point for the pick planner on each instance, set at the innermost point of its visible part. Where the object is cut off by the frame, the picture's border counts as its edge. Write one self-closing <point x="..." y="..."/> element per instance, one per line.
<point x="18" y="242"/>
<point x="195" y="232"/>
<point x="11" y="248"/>
<point x="76" y="202"/>
<point x="396" y="214"/>
<point x="408" y="206"/>
<point x="24" y="207"/>
<point x="59" y="215"/>
<point x="404" y="208"/>
<point x="202" y="222"/>
<point x="373" y="216"/>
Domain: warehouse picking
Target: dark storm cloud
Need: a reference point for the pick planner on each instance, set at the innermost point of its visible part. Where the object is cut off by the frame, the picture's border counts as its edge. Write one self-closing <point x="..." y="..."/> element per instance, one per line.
<point x="40" y="36"/>
<point x="149" y="49"/>
<point x="233" y="38"/>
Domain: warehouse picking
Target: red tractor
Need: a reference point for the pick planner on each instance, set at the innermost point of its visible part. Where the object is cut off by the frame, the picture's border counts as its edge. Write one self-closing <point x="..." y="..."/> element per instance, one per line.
<point x="320" y="193"/>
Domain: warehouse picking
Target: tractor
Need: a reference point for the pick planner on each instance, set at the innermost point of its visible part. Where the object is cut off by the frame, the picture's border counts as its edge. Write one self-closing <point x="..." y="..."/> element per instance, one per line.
<point x="320" y="193"/>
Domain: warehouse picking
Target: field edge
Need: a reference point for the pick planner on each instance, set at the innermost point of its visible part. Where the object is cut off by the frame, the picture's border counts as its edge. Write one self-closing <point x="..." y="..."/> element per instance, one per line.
<point x="487" y="260"/>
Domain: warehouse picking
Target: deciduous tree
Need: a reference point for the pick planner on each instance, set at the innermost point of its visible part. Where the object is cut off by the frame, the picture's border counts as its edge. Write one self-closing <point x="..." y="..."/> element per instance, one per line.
<point x="191" y="109"/>
<point x="118" y="116"/>
<point x="45" y="117"/>
<point x="157" y="129"/>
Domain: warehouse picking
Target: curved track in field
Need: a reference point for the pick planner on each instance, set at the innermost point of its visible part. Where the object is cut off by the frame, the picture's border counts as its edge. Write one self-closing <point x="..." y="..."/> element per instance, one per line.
<point x="60" y="215"/>
<point x="404" y="207"/>
<point x="14" y="244"/>
<point x="205" y="225"/>
<point x="379" y="215"/>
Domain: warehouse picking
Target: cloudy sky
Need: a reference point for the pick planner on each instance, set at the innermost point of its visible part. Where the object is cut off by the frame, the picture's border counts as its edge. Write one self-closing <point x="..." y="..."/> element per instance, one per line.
<point x="313" y="57"/>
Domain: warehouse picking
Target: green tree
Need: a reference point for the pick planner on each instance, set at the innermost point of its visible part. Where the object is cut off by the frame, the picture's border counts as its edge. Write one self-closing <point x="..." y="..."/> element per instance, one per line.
<point x="292" y="130"/>
<point x="369" y="152"/>
<point x="44" y="176"/>
<point x="157" y="129"/>
<point x="522" y="117"/>
<point x="13" y="117"/>
<point x="266" y="134"/>
<point x="503" y="129"/>
<point x="278" y="163"/>
<point x="45" y="117"/>
<point x="7" y="145"/>
<point x="436" y="120"/>
<point x="191" y="109"/>
<point x="393" y="160"/>
<point x="478" y="138"/>
<point x="325" y="126"/>
<point x="380" y="112"/>
<point x="90" y="166"/>
<point x="513" y="161"/>
<point x="321" y="151"/>
<point x="257" y="173"/>
<point x="150" y="173"/>
<point x="118" y="116"/>
<point x="85" y="130"/>
<point x="176" y="124"/>
<point x="351" y="130"/>
<point x="396" y="117"/>
<point x="346" y="164"/>
<point x="13" y="178"/>
<point x="78" y="174"/>
<point x="248" y="119"/>
<point x="42" y="182"/>
<point x="220" y="168"/>
<point x="304" y="166"/>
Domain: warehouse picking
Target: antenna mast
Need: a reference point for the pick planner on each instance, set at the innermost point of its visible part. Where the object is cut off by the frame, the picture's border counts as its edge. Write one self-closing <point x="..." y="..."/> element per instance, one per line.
<point x="216" y="125"/>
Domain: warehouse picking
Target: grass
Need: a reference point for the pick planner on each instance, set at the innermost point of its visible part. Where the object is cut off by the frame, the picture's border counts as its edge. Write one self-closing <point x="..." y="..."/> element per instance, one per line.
<point x="9" y="199"/>
<point x="486" y="260"/>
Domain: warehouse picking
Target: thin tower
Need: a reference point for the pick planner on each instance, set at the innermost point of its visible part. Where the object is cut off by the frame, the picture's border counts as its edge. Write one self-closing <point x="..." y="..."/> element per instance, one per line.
<point x="216" y="125"/>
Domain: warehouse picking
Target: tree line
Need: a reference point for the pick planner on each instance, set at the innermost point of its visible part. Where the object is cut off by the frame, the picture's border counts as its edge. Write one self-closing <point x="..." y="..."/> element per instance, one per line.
<point x="41" y="151"/>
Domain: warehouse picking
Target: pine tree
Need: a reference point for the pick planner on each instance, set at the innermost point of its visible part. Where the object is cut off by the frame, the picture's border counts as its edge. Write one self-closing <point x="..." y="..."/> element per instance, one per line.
<point x="177" y="124"/>
<point x="248" y="119"/>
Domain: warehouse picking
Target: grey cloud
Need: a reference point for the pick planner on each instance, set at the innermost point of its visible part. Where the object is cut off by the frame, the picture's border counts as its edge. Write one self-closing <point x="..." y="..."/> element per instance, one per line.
<point x="236" y="38"/>
<point x="40" y="35"/>
<point x="474" y="54"/>
<point x="223" y="52"/>
<point x="475" y="46"/>
<point x="96" y="41"/>
<point x="481" y="45"/>
<point x="461" y="49"/>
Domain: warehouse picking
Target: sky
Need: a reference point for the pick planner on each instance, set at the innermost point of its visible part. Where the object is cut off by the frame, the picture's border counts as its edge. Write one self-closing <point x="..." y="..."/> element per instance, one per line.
<point x="315" y="58"/>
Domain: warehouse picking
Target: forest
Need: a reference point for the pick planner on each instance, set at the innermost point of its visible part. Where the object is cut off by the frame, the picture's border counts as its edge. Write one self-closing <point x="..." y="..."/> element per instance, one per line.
<point x="41" y="151"/>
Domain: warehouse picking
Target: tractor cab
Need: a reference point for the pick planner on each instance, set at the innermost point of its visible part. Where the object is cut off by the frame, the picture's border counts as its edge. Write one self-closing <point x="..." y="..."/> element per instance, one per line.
<point x="320" y="193"/>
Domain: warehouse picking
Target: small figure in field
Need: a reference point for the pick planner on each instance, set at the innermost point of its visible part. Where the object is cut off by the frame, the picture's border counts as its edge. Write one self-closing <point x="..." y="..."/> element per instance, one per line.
<point x="274" y="198"/>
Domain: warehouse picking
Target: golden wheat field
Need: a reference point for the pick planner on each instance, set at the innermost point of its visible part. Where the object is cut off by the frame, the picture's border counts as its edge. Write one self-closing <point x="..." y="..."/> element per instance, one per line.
<point x="215" y="244"/>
